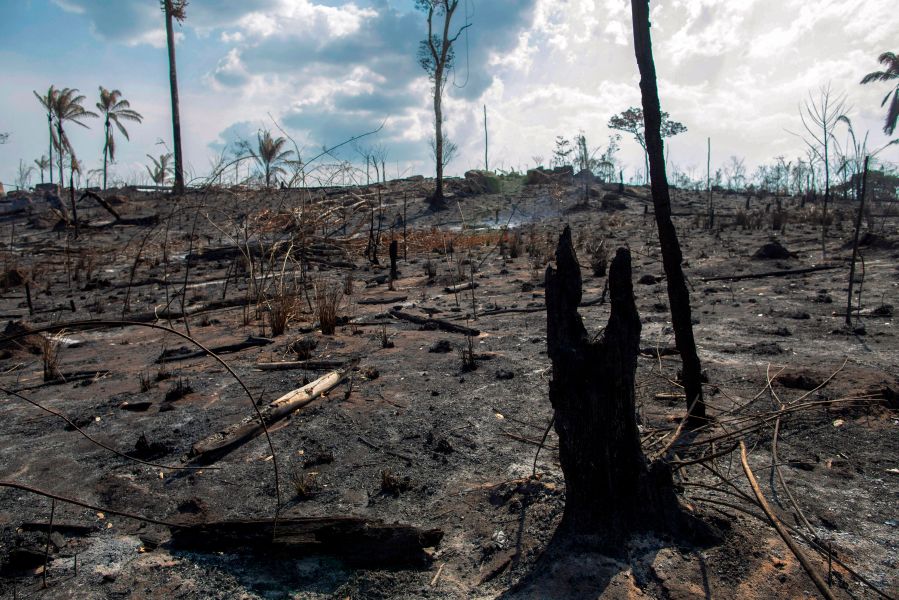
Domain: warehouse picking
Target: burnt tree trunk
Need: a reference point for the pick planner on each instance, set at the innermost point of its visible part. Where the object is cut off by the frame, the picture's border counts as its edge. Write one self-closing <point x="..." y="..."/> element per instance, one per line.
<point x="176" y="106"/>
<point x="858" y="226"/>
<point x="609" y="489"/>
<point x="678" y="295"/>
<point x="394" y="251"/>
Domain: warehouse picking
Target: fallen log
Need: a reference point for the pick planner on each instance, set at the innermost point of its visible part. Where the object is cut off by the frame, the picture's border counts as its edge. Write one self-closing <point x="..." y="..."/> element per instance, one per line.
<point x="772" y="273"/>
<point x="181" y="354"/>
<point x="455" y="289"/>
<point x="71" y="529"/>
<point x="220" y="444"/>
<point x="359" y="541"/>
<point x="312" y="365"/>
<point x="159" y="315"/>
<point x="386" y="300"/>
<point x="434" y="323"/>
<point x="102" y="202"/>
<point x="533" y="309"/>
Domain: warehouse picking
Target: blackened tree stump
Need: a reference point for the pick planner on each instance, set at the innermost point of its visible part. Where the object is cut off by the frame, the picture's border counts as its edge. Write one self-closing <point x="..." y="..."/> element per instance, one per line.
<point x="610" y="491"/>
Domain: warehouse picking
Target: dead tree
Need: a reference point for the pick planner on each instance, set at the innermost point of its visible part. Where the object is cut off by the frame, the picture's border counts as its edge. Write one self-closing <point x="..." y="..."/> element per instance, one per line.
<point x="436" y="57"/>
<point x="858" y="226"/>
<point x="394" y="250"/>
<point x="678" y="295"/>
<point x="610" y="491"/>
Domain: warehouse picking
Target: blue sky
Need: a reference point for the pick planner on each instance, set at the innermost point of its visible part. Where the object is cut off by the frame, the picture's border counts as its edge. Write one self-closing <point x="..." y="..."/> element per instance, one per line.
<point x="329" y="69"/>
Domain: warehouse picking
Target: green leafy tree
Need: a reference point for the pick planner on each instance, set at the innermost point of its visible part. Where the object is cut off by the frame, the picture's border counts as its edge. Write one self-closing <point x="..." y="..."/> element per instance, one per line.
<point x="43" y="164"/>
<point x="67" y="108"/>
<point x="48" y="101"/>
<point x="161" y="168"/>
<point x="114" y="109"/>
<point x="631" y="121"/>
<point x="562" y="152"/>
<point x="437" y="58"/>
<point x="270" y="155"/>
<point x="891" y="74"/>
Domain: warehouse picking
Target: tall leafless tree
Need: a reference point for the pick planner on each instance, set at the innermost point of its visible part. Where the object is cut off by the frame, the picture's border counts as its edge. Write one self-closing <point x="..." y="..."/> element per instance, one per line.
<point x="175" y="11"/>
<point x="437" y="58"/>
<point x="678" y="294"/>
<point x="819" y="117"/>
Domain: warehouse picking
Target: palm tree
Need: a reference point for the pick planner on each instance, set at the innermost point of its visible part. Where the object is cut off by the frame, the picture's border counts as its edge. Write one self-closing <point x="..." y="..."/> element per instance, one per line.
<point x="67" y="107"/>
<point x="161" y="168"/>
<point x="175" y="9"/>
<point x="891" y="62"/>
<point x="114" y="110"/>
<point x="43" y="163"/>
<point x="49" y="102"/>
<point x="271" y="155"/>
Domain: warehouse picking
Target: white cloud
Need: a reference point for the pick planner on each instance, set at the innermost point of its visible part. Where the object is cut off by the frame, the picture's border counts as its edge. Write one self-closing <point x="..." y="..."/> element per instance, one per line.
<point x="734" y="71"/>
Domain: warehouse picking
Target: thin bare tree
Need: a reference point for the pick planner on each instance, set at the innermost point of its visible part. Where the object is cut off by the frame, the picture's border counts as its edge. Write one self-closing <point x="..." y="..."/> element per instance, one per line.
<point x="437" y="58"/>
<point x="678" y="294"/>
<point x="175" y="11"/>
<point x="819" y="118"/>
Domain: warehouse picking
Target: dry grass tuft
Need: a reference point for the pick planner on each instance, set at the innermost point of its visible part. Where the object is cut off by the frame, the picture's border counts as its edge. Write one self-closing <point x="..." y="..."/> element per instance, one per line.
<point x="328" y="294"/>
<point x="283" y="308"/>
<point x="50" y="350"/>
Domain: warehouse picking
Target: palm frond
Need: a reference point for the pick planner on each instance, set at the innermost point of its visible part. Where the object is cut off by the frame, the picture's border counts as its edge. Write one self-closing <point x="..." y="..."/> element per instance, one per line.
<point x="892" y="115"/>
<point x="888" y="59"/>
<point x="110" y="145"/>
<point x="878" y="76"/>
<point x="121" y="129"/>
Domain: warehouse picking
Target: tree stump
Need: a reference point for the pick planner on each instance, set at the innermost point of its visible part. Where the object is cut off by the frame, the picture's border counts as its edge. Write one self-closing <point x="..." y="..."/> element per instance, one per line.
<point x="610" y="491"/>
<point x="394" y="250"/>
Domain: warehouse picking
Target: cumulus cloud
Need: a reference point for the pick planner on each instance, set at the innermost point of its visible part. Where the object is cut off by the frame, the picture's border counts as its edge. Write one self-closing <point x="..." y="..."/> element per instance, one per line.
<point x="330" y="69"/>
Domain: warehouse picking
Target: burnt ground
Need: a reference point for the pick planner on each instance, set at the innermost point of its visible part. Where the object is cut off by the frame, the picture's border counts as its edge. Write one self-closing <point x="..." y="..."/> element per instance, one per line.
<point x="417" y="435"/>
